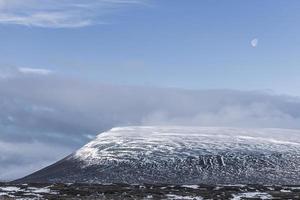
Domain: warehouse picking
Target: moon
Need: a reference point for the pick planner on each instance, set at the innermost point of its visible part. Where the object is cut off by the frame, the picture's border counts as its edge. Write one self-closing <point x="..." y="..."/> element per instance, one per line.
<point x="254" y="42"/>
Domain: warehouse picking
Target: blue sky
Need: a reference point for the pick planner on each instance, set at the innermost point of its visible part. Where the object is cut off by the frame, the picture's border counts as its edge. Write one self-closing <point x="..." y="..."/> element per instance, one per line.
<point x="194" y="44"/>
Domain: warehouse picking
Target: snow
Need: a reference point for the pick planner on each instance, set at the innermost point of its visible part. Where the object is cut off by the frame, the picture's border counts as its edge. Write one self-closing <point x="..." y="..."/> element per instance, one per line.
<point x="183" y="155"/>
<point x="172" y="192"/>
<point x="292" y="188"/>
<point x="6" y="194"/>
<point x="260" y="195"/>
<point x="191" y="186"/>
<point x="42" y="190"/>
<point x="284" y="190"/>
<point x="177" y="197"/>
<point x="10" y="189"/>
<point x="122" y="143"/>
<point x="29" y="191"/>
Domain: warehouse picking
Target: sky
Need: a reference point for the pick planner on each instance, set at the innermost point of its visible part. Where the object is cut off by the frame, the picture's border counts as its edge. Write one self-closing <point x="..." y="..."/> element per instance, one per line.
<point x="70" y="69"/>
<point x="196" y="45"/>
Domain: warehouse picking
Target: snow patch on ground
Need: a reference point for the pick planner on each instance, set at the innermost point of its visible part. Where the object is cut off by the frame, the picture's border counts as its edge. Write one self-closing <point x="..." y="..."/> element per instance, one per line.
<point x="191" y="186"/>
<point x="10" y="189"/>
<point x="259" y="195"/>
<point x="177" y="197"/>
<point x="33" y="192"/>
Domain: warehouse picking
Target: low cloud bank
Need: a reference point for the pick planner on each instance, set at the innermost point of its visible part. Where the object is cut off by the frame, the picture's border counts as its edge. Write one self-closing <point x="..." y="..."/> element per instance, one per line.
<point x="20" y="158"/>
<point x="48" y="113"/>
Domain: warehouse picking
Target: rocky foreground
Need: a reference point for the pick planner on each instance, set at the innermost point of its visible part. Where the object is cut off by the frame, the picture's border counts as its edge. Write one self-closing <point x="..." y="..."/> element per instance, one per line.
<point x="123" y="191"/>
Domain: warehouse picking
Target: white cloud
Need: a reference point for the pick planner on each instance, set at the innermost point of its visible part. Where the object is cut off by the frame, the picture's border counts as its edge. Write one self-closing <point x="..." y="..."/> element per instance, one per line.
<point x="57" y="13"/>
<point x="32" y="156"/>
<point x="37" y="71"/>
<point x="8" y="72"/>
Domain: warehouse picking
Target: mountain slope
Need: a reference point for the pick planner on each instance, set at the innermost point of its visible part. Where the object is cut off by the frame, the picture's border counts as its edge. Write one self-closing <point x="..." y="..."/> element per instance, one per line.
<point x="182" y="155"/>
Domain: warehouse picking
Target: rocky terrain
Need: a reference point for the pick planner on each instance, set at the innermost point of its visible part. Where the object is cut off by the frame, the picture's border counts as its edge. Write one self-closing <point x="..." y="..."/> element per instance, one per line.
<point x="147" y="191"/>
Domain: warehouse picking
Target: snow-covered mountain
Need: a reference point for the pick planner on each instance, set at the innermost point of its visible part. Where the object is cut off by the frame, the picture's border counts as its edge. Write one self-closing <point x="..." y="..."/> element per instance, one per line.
<point x="182" y="155"/>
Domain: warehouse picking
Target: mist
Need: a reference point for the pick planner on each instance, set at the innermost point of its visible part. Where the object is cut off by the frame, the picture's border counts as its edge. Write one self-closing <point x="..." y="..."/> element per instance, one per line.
<point x="45" y="117"/>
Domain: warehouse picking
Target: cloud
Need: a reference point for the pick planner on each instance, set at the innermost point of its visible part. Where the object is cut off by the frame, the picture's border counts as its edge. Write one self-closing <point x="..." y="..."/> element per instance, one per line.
<point x="30" y="156"/>
<point x="62" y="114"/>
<point x="58" y="13"/>
<point x="7" y="72"/>
<point x="39" y="71"/>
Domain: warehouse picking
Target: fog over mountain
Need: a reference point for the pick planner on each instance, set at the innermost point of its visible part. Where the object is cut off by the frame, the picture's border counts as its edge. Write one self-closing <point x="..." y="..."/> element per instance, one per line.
<point x="45" y="116"/>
